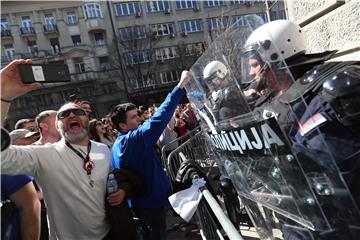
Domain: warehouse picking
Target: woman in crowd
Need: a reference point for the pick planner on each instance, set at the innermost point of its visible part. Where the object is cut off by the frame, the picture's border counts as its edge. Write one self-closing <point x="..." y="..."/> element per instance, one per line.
<point x="98" y="132"/>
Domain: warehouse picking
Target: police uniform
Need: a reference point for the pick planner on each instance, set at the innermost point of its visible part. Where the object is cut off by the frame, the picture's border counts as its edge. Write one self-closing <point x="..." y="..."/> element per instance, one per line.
<point x="224" y="103"/>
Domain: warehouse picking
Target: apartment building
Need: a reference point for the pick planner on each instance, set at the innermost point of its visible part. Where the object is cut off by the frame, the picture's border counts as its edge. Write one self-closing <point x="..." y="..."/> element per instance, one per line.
<point x="116" y="51"/>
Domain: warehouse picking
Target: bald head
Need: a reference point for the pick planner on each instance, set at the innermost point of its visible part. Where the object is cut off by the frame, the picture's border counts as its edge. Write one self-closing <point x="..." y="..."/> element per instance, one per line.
<point x="45" y="122"/>
<point x="45" y="117"/>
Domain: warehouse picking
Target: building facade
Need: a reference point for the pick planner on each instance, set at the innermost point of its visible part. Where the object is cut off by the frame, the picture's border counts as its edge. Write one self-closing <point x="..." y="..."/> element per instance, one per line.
<point x="116" y="51"/>
<point x="329" y="25"/>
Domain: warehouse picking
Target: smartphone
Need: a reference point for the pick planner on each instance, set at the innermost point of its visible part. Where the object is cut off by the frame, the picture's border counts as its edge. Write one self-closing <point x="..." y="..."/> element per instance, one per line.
<point x="44" y="73"/>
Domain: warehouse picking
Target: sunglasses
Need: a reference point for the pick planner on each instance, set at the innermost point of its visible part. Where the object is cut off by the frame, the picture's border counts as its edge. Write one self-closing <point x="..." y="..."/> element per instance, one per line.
<point x="75" y="111"/>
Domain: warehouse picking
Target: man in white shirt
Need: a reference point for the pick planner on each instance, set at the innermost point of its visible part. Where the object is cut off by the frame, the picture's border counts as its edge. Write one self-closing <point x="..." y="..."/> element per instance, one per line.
<point x="71" y="172"/>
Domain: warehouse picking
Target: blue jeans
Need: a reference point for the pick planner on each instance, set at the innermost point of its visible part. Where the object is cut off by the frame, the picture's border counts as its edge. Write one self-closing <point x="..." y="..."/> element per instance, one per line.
<point x="152" y="222"/>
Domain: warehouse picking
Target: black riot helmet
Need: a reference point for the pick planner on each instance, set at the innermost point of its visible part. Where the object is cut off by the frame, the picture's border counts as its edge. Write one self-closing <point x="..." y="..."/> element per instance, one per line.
<point x="342" y="90"/>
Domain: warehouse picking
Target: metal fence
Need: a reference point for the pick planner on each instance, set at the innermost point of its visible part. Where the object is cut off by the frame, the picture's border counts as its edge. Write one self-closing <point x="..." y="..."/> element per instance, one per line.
<point x="212" y="221"/>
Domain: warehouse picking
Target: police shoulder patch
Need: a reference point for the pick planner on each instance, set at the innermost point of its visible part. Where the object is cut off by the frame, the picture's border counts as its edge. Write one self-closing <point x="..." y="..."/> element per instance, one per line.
<point x="311" y="123"/>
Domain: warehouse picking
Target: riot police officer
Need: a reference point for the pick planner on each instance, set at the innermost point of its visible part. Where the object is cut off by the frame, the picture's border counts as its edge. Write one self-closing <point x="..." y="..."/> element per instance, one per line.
<point x="281" y="47"/>
<point x="224" y="91"/>
<point x="329" y="123"/>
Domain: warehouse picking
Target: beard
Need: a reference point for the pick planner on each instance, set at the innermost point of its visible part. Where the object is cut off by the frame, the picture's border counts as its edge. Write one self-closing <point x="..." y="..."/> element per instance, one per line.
<point x="73" y="137"/>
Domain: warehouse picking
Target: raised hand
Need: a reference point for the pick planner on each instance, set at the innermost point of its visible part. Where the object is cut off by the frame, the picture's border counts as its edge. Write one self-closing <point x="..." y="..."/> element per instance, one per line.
<point x="185" y="78"/>
<point x="11" y="84"/>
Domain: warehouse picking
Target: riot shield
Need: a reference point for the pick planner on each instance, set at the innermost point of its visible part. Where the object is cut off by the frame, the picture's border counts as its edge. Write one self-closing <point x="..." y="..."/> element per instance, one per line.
<point x="237" y="91"/>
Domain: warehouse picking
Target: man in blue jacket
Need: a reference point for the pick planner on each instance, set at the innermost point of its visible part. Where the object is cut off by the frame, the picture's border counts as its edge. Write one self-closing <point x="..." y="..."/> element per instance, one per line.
<point x="134" y="149"/>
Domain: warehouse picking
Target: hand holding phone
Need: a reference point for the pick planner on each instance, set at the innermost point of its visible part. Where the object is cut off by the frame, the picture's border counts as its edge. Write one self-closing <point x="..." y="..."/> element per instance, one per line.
<point x="11" y="83"/>
<point x="44" y="73"/>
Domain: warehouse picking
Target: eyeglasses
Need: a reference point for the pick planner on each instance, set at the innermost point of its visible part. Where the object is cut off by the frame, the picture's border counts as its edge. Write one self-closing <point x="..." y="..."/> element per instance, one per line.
<point x="75" y="111"/>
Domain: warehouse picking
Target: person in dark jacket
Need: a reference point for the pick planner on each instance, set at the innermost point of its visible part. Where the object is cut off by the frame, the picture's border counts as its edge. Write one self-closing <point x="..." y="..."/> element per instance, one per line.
<point x="134" y="149"/>
<point x="120" y="216"/>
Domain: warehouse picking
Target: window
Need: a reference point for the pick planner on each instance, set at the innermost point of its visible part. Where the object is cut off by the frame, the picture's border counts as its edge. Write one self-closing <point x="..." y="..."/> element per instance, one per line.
<point x="145" y="81"/>
<point x="239" y="21"/>
<point x="92" y="10"/>
<point x="55" y="46"/>
<point x="162" y="29"/>
<point x="9" y="51"/>
<point x="217" y="23"/>
<point x="158" y="6"/>
<point x="263" y="16"/>
<point x="26" y="21"/>
<point x="49" y="22"/>
<point x="282" y="14"/>
<point x="71" y="18"/>
<point x="213" y="3"/>
<point x="32" y="46"/>
<point x="273" y="15"/>
<point x="194" y="49"/>
<point x="234" y="2"/>
<point x="5" y="29"/>
<point x="168" y="77"/>
<point x="165" y="53"/>
<point x="104" y="63"/>
<point x="49" y="19"/>
<point x="79" y="65"/>
<point x="27" y="25"/>
<point x="191" y="26"/>
<point x="131" y="33"/>
<point x="76" y="39"/>
<point x="137" y="57"/>
<point x="99" y="39"/>
<point x="130" y="8"/>
<point x="185" y="4"/>
<point x="4" y="24"/>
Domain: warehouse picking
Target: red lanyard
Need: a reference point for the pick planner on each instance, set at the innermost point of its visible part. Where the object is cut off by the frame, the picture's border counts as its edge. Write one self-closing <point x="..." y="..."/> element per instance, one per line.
<point x="88" y="164"/>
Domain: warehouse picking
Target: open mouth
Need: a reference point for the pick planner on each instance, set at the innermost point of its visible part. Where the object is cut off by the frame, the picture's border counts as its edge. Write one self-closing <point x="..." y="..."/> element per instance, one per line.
<point x="74" y="126"/>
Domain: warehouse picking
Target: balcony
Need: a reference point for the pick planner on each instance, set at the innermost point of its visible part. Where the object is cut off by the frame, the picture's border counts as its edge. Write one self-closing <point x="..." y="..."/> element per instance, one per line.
<point x="27" y="31"/>
<point x="50" y="28"/>
<point x="100" y="42"/>
<point x="95" y="24"/>
<point x="5" y="33"/>
<point x="84" y="76"/>
<point x="101" y="50"/>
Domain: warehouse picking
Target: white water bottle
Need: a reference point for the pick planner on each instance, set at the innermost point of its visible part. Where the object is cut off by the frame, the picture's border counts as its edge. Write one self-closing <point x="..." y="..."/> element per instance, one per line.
<point x="111" y="184"/>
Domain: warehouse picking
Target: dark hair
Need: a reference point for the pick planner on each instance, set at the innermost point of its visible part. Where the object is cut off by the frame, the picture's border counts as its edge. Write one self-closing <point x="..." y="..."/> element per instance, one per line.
<point x="84" y="102"/>
<point x="93" y="135"/>
<point x="20" y="123"/>
<point x="118" y="114"/>
<point x="256" y="55"/>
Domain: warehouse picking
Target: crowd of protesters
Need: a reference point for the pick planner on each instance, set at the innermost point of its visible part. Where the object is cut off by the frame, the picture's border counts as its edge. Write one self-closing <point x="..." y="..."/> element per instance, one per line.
<point x="64" y="157"/>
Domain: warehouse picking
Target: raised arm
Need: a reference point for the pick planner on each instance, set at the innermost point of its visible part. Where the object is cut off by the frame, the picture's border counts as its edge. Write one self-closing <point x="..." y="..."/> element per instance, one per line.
<point x="153" y="128"/>
<point x="15" y="160"/>
<point x="12" y="86"/>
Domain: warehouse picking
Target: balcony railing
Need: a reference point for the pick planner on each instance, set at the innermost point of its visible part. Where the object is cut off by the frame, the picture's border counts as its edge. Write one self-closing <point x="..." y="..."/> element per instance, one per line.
<point x="5" y="33"/>
<point x="84" y="76"/>
<point x="50" y="28"/>
<point x="72" y="22"/>
<point x="27" y="30"/>
<point x="100" y="42"/>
